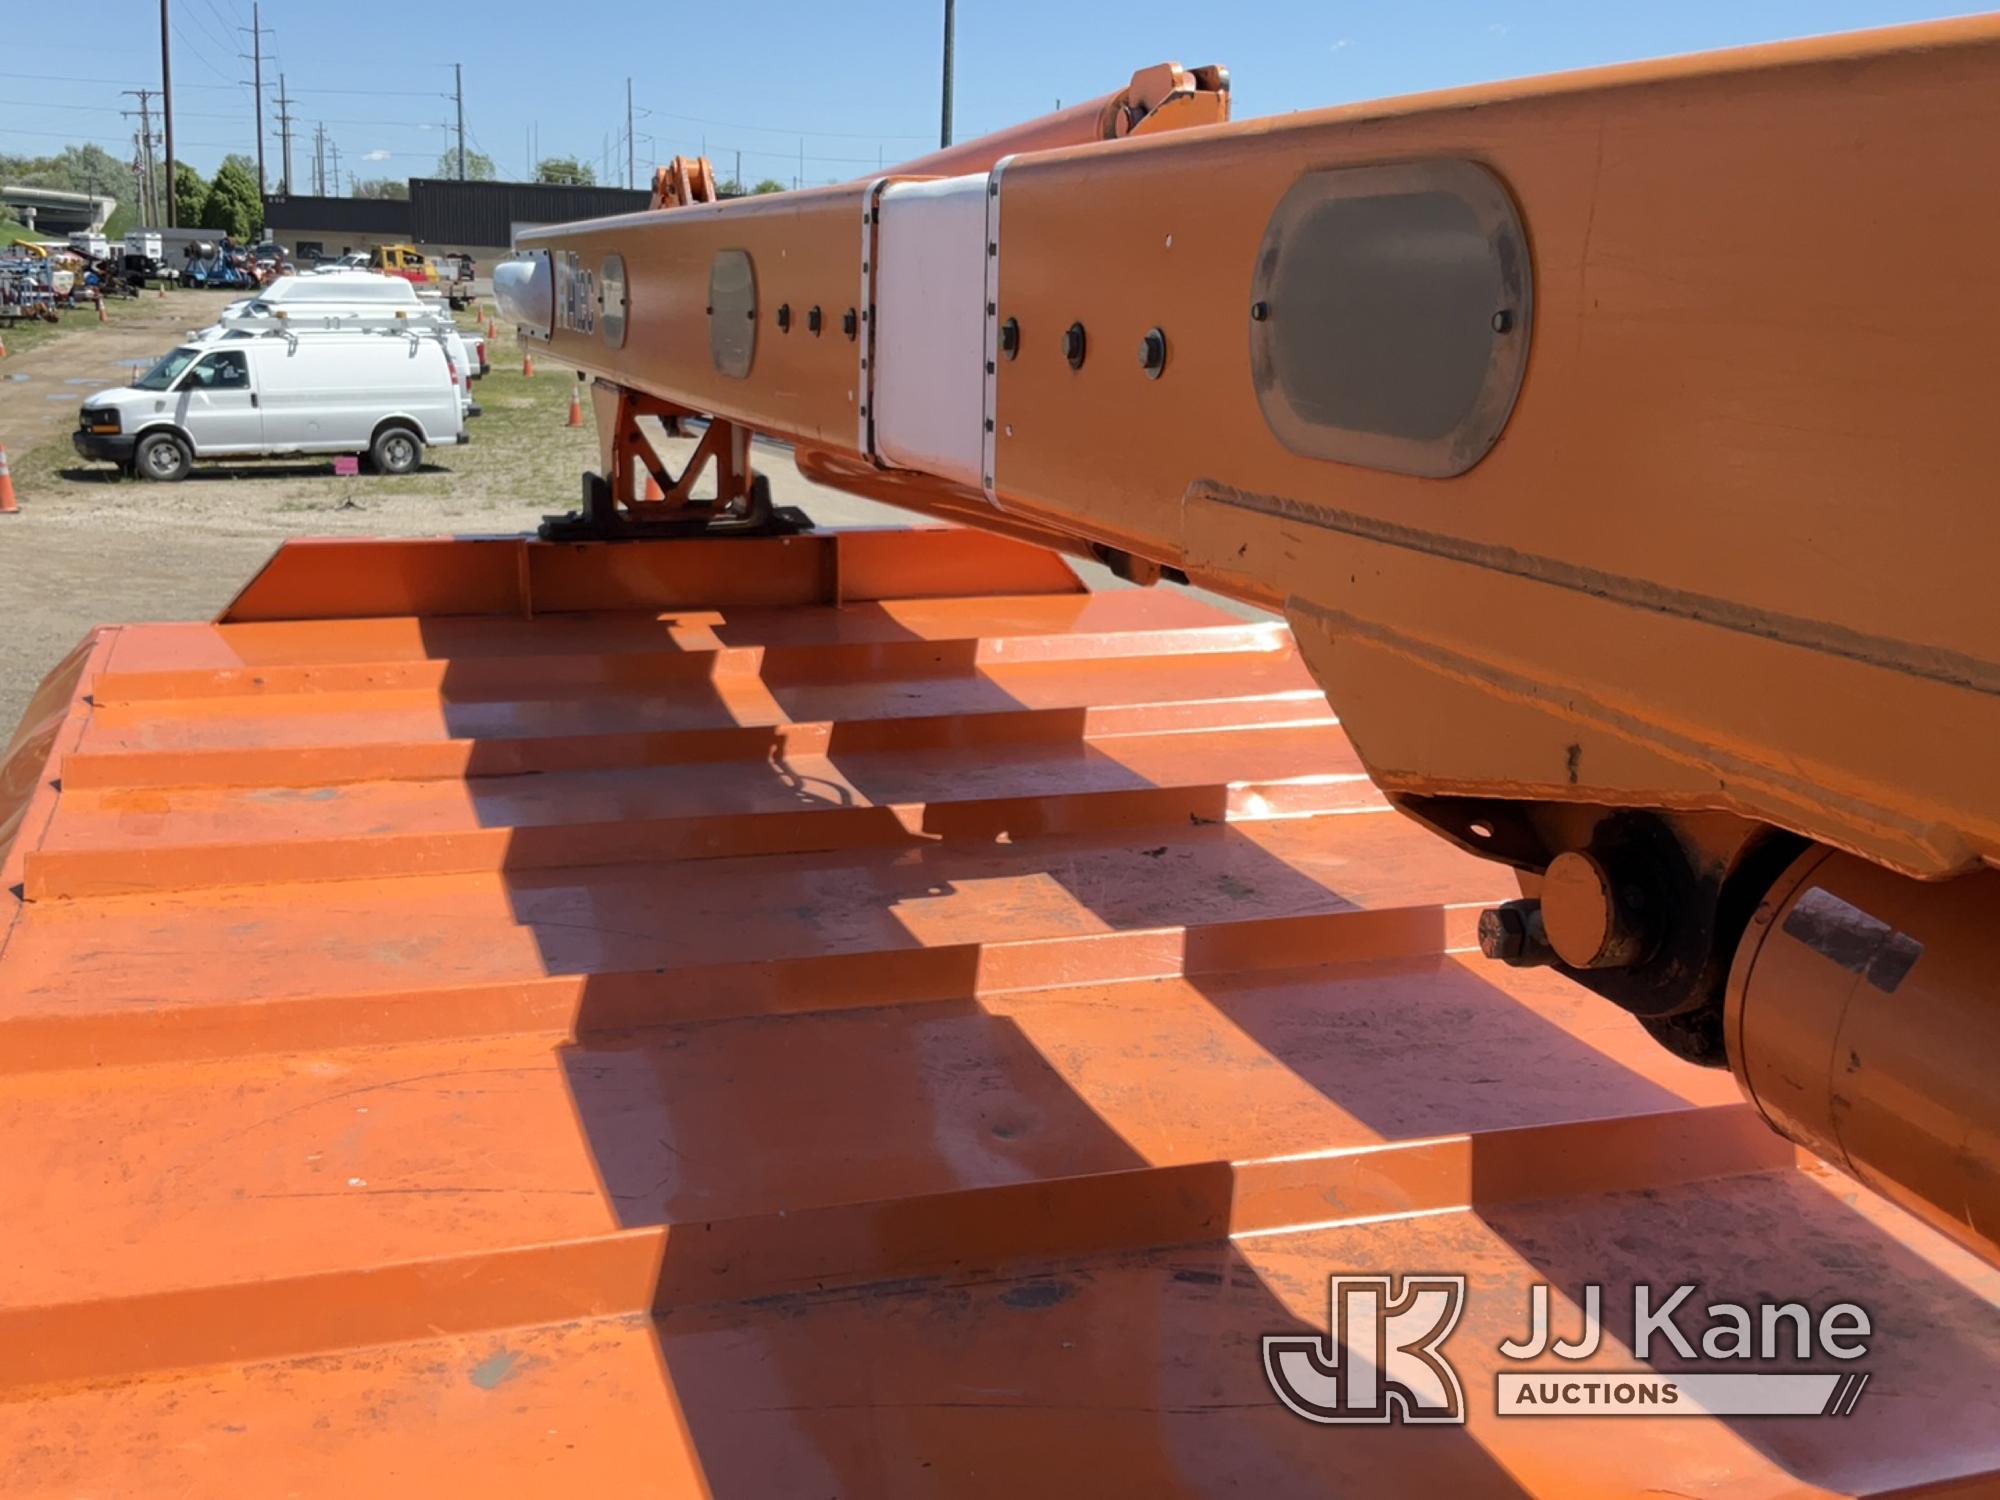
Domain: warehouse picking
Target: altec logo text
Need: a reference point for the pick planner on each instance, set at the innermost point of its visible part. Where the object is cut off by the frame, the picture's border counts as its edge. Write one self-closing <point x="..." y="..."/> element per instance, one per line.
<point x="1384" y="1358"/>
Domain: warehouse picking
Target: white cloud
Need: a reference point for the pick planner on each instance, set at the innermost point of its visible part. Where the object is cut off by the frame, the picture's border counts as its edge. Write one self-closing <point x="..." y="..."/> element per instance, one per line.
<point x="377" y="155"/>
<point x="1497" y="28"/>
<point x="1344" y="43"/>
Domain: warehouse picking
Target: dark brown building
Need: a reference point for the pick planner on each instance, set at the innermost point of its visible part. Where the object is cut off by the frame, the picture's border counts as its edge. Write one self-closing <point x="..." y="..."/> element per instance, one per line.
<point x="441" y="215"/>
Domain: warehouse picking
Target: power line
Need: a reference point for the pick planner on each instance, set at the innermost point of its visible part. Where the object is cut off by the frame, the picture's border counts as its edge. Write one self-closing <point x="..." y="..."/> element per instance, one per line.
<point x="822" y="135"/>
<point x="380" y="93"/>
<point x="195" y="19"/>
<point x="838" y="161"/>
<point x="106" y="109"/>
<point x="107" y="140"/>
<point x="207" y="32"/>
<point x="225" y="22"/>
<point x="389" y="124"/>
<point x="131" y="82"/>
<point x="200" y="53"/>
<point x="55" y="78"/>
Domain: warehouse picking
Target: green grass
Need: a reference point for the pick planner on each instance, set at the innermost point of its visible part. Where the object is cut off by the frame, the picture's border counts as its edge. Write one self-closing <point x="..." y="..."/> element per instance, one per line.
<point x="80" y="321"/>
<point x="523" y="459"/>
<point x="10" y="232"/>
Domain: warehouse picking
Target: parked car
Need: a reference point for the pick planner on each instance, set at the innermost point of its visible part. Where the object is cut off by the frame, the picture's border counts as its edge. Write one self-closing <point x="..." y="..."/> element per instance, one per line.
<point x="388" y="395"/>
<point x="331" y="263"/>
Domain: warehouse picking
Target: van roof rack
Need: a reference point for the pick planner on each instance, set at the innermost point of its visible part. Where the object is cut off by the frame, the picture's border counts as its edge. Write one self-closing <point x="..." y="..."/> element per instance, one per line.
<point x="281" y="322"/>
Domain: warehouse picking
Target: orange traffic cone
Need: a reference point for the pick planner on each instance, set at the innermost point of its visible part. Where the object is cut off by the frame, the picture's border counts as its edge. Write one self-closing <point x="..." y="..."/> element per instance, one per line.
<point x="163" y="289"/>
<point x="653" y="490"/>
<point x="575" y="406"/>
<point x="9" y="506"/>
<point x="527" y="364"/>
<point x="489" y="330"/>
<point x="3" y="348"/>
<point x="100" y="308"/>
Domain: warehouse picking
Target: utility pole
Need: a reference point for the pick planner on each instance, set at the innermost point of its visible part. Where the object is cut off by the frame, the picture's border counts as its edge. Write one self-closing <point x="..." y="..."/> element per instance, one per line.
<point x="319" y="160"/>
<point x="944" y="131"/>
<point x="285" y="133"/>
<point x="739" y="171"/>
<point x="628" y="132"/>
<point x="458" y="92"/>
<point x="334" y="147"/>
<point x="144" y="177"/>
<point x="167" y="104"/>
<point x="256" y="30"/>
<point x="148" y="188"/>
<point x="800" y="180"/>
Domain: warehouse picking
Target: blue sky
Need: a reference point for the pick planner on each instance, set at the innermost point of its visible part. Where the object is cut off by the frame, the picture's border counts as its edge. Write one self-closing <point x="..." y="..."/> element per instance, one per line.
<point x="858" y="79"/>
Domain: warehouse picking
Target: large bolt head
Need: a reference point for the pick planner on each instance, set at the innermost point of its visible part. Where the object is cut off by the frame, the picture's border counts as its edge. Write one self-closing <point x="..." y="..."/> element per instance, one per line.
<point x="1511" y="933"/>
<point x="1502" y="933"/>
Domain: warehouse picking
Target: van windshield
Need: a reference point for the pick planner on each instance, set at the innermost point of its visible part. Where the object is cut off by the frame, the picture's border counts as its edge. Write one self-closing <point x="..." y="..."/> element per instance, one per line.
<point x="166" y="371"/>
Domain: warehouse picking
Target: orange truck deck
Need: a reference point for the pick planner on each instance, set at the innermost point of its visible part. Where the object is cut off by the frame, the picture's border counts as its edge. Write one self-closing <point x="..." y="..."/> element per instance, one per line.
<point x="867" y="1018"/>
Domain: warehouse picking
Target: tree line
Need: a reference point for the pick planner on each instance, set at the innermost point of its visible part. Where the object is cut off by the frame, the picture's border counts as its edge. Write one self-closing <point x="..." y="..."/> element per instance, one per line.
<point x="229" y="202"/>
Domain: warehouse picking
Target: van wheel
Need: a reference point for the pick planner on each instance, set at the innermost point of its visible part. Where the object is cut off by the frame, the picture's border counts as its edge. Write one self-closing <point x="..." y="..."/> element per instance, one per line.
<point x="163" y="457"/>
<point x="395" y="451"/>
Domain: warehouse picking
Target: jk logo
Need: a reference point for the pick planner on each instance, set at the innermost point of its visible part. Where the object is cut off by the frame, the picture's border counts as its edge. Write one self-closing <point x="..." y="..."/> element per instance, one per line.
<point x="1382" y="1361"/>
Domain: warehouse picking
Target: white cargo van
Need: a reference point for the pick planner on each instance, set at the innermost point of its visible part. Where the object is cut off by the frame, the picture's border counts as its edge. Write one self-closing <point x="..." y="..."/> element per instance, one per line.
<point x="388" y="394"/>
<point x="316" y="315"/>
<point x="339" y="286"/>
<point x="299" y="295"/>
<point x="346" y="292"/>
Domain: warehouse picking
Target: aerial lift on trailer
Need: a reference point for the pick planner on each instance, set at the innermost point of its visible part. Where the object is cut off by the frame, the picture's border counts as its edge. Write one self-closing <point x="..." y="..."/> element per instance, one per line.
<point x="856" y="1012"/>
